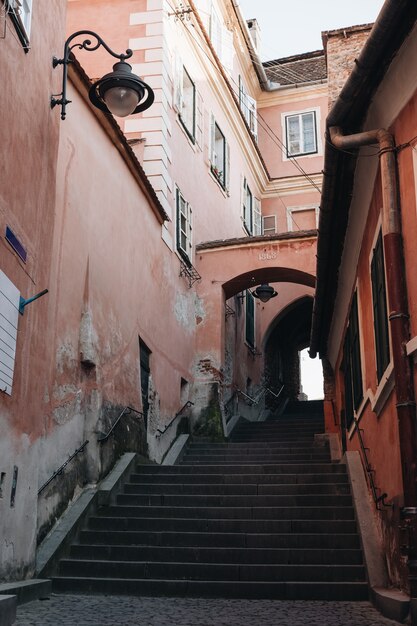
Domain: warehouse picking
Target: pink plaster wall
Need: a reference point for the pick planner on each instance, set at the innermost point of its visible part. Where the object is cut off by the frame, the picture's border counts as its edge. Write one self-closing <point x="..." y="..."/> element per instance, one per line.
<point x="272" y="146"/>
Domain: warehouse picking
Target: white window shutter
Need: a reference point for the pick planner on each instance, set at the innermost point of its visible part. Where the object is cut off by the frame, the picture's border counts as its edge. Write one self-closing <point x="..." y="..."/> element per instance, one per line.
<point x="178" y="83"/>
<point x="253" y="118"/>
<point x="212" y="146"/>
<point x="199" y="121"/>
<point x="9" y="316"/>
<point x="228" y="50"/>
<point x="243" y="197"/>
<point x="257" y="218"/>
<point x="190" y="232"/>
<point x="227" y="172"/>
<point x="216" y="31"/>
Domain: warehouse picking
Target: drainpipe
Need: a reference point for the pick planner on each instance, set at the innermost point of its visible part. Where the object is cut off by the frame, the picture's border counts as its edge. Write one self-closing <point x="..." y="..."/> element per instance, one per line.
<point x="398" y="318"/>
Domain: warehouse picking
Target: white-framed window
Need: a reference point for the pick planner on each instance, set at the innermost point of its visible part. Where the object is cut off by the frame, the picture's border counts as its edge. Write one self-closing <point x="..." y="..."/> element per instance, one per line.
<point x="184" y="228"/>
<point x="9" y="316"/>
<point x="248" y="107"/>
<point x="219" y="155"/>
<point x="301" y="133"/>
<point x="302" y="217"/>
<point x="251" y="211"/>
<point x="269" y="224"/>
<point x="221" y="38"/>
<point x="185" y="99"/>
<point x="20" y="12"/>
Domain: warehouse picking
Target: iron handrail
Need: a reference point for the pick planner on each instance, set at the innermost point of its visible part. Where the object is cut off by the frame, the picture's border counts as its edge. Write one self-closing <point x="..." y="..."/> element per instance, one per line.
<point x="257" y="398"/>
<point x="186" y="406"/>
<point x="126" y="411"/>
<point x="63" y="466"/>
<point x="370" y="471"/>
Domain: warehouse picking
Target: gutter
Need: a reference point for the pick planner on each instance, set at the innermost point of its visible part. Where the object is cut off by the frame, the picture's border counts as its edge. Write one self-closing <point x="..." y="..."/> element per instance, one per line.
<point x="392" y="26"/>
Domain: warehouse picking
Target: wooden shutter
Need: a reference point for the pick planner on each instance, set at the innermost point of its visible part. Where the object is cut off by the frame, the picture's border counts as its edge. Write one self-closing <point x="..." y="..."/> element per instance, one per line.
<point x="227" y="166"/>
<point x="357" y="388"/>
<point x="380" y="308"/>
<point x="227" y="48"/>
<point x="252" y="115"/>
<point x="9" y="316"/>
<point x="257" y="217"/>
<point x="199" y="121"/>
<point x="178" y="83"/>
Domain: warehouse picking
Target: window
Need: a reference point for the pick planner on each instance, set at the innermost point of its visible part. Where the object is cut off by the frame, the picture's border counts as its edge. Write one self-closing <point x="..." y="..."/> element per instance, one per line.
<point x="145" y="373"/>
<point x="352" y="369"/>
<point x="20" y="12"/>
<point x="220" y="155"/>
<point x="221" y="38"/>
<point x="184" y="227"/>
<point x="248" y="107"/>
<point x="269" y="224"/>
<point x="379" y="300"/>
<point x="301" y="133"/>
<point x="250" y="319"/>
<point x="251" y="211"/>
<point x="302" y="218"/>
<point x="9" y="315"/>
<point x="186" y="101"/>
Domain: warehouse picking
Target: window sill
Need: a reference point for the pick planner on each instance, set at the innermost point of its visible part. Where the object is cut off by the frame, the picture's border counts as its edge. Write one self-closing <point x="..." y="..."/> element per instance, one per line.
<point x="383" y="391"/>
<point x="303" y="155"/>
<point x="190" y="139"/>
<point x="224" y="191"/>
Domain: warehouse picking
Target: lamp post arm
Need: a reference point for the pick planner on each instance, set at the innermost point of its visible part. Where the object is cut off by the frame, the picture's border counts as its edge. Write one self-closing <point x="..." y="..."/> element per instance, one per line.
<point x="88" y="45"/>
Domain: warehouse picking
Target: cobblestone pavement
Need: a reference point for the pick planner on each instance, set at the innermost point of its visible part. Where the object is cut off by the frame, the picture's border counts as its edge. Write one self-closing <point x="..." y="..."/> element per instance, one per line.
<point x="62" y="610"/>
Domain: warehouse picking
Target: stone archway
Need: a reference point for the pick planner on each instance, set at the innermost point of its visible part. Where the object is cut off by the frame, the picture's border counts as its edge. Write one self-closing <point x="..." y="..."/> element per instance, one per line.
<point x="229" y="267"/>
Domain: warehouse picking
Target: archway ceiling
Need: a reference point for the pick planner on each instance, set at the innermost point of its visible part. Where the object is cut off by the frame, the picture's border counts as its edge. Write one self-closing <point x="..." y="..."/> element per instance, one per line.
<point x="267" y="275"/>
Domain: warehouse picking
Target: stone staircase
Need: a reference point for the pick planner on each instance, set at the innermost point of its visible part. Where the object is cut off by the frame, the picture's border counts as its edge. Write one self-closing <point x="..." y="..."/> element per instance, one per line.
<point x="265" y="515"/>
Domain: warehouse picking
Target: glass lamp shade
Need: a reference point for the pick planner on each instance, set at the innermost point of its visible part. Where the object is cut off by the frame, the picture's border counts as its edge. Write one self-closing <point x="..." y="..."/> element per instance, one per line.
<point x="121" y="92"/>
<point x="264" y="292"/>
<point x="121" y="101"/>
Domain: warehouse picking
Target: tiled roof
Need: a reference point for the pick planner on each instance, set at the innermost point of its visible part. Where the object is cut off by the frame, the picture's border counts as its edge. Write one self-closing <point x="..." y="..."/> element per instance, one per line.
<point x="301" y="68"/>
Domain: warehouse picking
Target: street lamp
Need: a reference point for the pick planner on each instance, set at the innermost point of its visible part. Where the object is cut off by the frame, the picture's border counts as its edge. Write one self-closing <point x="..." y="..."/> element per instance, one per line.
<point x="120" y="92"/>
<point x="264" y="292"/>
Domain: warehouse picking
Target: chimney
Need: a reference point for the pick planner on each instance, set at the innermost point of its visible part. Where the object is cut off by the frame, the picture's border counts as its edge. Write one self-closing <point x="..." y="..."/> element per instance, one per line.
<point x="255" y="33"/>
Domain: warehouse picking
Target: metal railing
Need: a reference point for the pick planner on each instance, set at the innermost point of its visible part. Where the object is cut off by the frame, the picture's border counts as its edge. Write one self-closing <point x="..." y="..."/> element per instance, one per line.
<point x="160" y="432"/>
<point x="370" y="471"/>
<point x="60" y="470"/>
<point x="232" y="403"/>
<point x="126" y="411"/>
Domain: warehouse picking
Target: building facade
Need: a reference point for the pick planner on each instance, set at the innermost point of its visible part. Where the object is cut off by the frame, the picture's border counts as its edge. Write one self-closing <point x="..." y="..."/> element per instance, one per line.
<point x="150" y="237"/>
<point x="364" y="318"/>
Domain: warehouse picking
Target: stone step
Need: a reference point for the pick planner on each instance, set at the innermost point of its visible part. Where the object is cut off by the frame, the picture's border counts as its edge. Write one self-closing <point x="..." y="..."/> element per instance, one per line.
<point x="275" y="456"/>
<point x="293" y="590"/>
<point x="240" y="479"/>
<point x="209" y="554"/>
<point x="260" y="469"/>
<point x="236" y="489"/>
<point x="302" y="541"/>
<point x="229" y="501"/>
<point x="235" y="512"/>
<point x="260" y="445"/>
<point x="224" y="460"/>
<point x="107" y="521"/>
<point x="210" y="571"/>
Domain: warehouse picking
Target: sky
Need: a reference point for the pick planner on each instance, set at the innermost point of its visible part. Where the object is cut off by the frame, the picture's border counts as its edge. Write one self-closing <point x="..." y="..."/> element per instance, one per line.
<point x="295" y="26"/>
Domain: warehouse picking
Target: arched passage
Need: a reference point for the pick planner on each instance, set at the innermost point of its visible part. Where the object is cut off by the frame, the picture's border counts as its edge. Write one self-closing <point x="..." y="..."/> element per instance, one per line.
<point x="287" y="335"/>
<point x="228" y="268"/>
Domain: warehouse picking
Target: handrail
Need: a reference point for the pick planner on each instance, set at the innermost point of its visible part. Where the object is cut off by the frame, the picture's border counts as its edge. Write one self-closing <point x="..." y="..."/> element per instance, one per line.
<point x="63" y="466"/>
<point x="126" y="411"/>
<point x="256" y="399"/>
<point x="370" y="471"/>
<point x="161" y="432"/>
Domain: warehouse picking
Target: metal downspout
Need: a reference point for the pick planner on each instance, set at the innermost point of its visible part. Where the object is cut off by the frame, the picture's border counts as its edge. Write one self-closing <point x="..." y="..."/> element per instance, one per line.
<point x="399" y="324"/>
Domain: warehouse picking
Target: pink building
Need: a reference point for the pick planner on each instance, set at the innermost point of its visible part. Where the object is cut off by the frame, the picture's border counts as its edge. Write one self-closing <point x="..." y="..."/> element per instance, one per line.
<point x="150" y="239"/>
